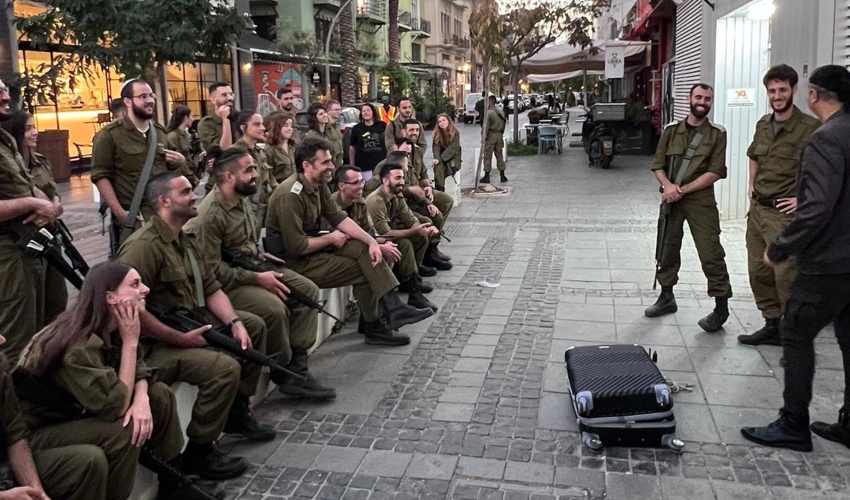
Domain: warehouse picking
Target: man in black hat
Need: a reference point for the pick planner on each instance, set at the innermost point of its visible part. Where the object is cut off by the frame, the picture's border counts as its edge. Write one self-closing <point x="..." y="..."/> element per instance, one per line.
<point x="818" y="237"/>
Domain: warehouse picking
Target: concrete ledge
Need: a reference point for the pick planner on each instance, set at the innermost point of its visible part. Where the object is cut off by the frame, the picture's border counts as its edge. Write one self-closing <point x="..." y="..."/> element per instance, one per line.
<point x="335" y="299"/>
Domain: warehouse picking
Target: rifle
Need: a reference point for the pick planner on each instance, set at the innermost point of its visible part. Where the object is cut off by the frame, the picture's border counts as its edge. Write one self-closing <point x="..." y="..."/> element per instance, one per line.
<point x="184" y="320"/>
<point x="254" y="263"/>
<point x="663" y="213"/>
<point x="165" y="470"/>
<point x="49" y="242"/>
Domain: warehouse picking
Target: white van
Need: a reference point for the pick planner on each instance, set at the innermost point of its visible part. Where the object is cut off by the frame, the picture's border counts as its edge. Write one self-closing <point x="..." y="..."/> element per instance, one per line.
<point x="469" y="113"/>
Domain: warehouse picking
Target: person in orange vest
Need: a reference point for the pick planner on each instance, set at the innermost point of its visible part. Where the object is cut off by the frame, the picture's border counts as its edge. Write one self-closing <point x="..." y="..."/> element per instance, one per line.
<point x="387" y="112"/>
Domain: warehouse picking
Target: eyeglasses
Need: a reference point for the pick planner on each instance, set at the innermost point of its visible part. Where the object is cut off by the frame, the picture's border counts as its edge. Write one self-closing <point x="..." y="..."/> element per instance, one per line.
<point x="145" y="96"/>
<point x="361" y="183"/>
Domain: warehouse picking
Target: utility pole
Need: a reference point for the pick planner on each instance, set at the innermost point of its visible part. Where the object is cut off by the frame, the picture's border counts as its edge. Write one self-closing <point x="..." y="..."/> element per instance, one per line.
<point x="344" y="5"/>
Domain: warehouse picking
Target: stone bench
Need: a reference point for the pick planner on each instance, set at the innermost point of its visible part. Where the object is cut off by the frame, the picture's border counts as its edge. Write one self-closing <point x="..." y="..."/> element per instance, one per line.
<point x="336" y="300"/>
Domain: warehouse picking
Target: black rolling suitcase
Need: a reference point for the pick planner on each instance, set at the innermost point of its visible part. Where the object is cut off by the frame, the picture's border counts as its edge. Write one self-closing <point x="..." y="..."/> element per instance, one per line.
<point x="620" y="398"/>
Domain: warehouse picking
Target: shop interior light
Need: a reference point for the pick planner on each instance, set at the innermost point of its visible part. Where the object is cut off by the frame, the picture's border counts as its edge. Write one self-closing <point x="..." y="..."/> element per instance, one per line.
<point x="761" y="11"/>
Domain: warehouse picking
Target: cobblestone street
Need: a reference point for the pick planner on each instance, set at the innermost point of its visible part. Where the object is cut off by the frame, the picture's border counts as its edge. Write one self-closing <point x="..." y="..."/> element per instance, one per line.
<point x="476" y="407"/>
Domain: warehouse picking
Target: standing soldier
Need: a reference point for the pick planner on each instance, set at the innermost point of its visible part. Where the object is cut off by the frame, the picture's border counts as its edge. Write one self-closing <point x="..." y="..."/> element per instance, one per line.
<point x="395" y="128"/>
<point x="332" y="132"/>
<point x="120" y="153"/>
<point x="22" y="282"/>
<point x="691" y="157"/>
<point x="215" y="129"/>
<point x="493" y="143"/>
<point x="777" y="145"/>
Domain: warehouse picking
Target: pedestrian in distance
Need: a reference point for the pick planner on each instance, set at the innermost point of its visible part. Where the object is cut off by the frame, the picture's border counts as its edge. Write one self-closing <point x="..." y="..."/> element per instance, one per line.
<point x="818" y="236"/>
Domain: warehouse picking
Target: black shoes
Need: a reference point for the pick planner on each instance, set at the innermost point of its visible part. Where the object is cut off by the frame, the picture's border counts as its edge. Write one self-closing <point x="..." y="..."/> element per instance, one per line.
<point x="839" y="432"/>
<point x="439" y="265"/>
<point x="485" y="179"/>
<point x="666" y="304"/>
<point x="307" y="387"/>
<point x="205" y="461"/>
<point x="716" y="318"/>
<point x="788" y="431"/>
<point x="502" y="177"/>
<point x="398" y="314"/>
<point x="242" y="421"/>
<point x="768" y="335"/>
<point x="378" y="333"/>
<point x="427" y="271"/>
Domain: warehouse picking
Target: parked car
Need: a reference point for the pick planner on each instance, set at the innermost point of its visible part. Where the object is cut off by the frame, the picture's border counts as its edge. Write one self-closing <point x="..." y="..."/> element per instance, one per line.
<point x="469" y="112"/>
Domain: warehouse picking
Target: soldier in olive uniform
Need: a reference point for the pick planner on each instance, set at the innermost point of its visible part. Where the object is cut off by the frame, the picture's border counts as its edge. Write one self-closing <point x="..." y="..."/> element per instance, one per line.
<point x="493" y="142"/>
<point x="120" y="150"/>
<point x="280" y="146"/>
<point x="225" y="225"/>
<point x="77" y="472"/>
<point x="251" y="135"/>
<point x="22" y="283"/>
<point x="395" y="129"/>
<point x="180" y="140"/>
<point x="689" y="192"/>
<point x="171" y="263"/>
<point x="215" y="129"/>
<point x="332" y="132"/>
<point x="778" y="143"/>
<point x="393" y="219"/>
<point x="294" y="224"/>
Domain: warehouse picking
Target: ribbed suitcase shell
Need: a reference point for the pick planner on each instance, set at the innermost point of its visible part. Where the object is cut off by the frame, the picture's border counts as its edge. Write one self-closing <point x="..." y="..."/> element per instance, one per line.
<point x="622" y="380"/>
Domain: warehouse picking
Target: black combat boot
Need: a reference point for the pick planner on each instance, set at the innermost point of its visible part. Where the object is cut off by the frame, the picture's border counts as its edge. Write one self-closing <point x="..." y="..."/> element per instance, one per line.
<point x="502" y="177"/>
<point x="242" y="421"/>
<point x="790" y="430"/>
<point x="485" y="179"/>
<point x="431" y="259"/>
<point x="424" y="287"/>
<point x="398" y="314"/>
<point x="839" y="432"/>
<point x="666" y="304"/>
<point x="427" y="271"/>
<point x="416" y="299"/>
<point x="768" y="335"/>
<point x="440" y="255"/>
<point x="205" y="461"/>
<point x="378" y="333"/>
<point x="307" y="387"/>
<point x="715" y="319"/>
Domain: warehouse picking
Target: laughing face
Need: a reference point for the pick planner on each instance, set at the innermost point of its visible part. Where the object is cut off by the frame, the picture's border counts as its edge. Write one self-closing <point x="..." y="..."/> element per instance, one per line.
<point x="700" y="102"/>
<point x="781" y="95"/>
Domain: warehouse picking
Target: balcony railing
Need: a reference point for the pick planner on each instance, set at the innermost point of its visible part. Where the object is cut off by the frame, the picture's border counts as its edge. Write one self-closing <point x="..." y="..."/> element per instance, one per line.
<point x="420" y="25"/>
<point x="374" y="9"/>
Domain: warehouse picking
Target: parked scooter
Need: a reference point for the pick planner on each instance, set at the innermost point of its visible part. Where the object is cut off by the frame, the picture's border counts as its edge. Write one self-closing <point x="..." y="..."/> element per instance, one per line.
<point x="599" y="138"/>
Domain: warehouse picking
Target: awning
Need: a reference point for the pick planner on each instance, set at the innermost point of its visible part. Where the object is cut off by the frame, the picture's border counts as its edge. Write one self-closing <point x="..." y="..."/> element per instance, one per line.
<point x="556" y="77"/>
<point x="565" y="58"/>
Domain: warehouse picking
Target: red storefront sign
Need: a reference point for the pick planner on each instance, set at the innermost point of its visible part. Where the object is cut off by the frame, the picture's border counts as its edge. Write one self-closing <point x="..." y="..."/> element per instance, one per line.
<point x="271" y="77"/>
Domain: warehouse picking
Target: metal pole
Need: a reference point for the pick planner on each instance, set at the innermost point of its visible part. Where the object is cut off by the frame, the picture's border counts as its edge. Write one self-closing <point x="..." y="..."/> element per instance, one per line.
<point x="328" y="50"/>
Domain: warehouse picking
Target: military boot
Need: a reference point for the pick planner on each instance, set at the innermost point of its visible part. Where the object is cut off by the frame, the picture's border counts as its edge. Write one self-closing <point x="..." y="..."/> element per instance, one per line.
<point x="378" y="333"/>
<point x="768" y="335"/>
<point x="361" y="325"/>
<point x="838" y="432"/>
<point x="715" y="319"/>
<point x="790" y="430"/>
<point x="207" y="462"/>
<point x="666" y="304"/>
<point x="431" y="259"/>
<point x="440" y="255"/>
<point x="427" y="271"/>
<point x="416" y="299"/>
<point x="485" y="179"/>
<point x="242" y="421"/>
<point x="424" y="287"/>
<point x="398" y="314"/>
<point x="502" y="177"/>
<point x="307" y="387"/>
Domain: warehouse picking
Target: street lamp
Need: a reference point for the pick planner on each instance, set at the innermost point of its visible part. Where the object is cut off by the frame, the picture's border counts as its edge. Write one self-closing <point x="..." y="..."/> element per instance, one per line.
<point x="328" y="50"/>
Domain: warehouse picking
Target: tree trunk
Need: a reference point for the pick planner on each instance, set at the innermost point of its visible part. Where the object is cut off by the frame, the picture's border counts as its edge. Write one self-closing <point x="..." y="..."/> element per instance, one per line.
<point x="393" y="39"/>
<point x="348" y="65"/>
<point x="515" y="83"/>
<point x="486" y="93"/>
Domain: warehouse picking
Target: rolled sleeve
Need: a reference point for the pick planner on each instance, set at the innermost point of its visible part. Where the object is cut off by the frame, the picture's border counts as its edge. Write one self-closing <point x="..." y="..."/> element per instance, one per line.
<point x="102" y="157"/>
<point x="13" y="427"/>
<point x="289" y="214"/>
<point x="408" y="218"/>
<point x="209" y="132"/>
<point x="378" y="212"/>
<point x="717" y="161"/>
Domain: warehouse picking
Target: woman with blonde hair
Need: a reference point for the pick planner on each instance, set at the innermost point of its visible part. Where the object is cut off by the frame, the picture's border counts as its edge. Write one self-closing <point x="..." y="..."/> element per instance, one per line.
<point x="280" y="146"/>
<point x="447" y="151"/>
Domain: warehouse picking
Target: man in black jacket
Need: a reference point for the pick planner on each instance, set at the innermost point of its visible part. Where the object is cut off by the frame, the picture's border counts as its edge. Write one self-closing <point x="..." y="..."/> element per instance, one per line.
<point x="819" y="237"/>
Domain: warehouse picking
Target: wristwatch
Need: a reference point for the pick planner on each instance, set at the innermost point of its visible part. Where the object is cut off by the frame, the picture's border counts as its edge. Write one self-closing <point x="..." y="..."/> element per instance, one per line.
<point x="233" y="322"/>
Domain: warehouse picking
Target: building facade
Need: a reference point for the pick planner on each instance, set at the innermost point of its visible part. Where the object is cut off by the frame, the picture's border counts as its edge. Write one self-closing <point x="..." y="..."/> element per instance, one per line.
<point x="448" y="49"/>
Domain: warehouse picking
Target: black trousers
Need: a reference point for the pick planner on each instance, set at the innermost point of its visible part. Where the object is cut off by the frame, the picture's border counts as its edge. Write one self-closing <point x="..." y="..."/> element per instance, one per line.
<point x="815" y="301"/>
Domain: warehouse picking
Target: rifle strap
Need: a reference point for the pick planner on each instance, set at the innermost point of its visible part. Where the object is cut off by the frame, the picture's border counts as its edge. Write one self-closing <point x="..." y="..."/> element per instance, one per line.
<point x="686" y="161"/>
<point x="196" y="274"/>
<point x="135" y="205"/>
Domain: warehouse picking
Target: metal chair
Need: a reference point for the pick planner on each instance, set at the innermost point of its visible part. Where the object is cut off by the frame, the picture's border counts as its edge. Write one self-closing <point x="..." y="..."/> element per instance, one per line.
<point x="547" y="138"/>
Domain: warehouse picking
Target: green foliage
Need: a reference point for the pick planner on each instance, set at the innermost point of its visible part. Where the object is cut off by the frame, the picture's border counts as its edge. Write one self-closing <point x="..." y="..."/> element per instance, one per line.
<point x="301" y="44"/>
<point x="133" y="36"/>
<point x="401" y="81"/>
<point x="424" y="102"/>
<point x="516" y="148"/>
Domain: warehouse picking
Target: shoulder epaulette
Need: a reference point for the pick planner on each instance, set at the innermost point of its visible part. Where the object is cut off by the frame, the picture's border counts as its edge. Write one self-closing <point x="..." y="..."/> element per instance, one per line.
<point x="671" y="124"/>
<point x="718" y="126"/>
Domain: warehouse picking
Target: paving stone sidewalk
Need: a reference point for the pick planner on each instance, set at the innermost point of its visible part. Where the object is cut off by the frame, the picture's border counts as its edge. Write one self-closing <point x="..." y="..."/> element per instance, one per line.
<point x="476" y="407"/>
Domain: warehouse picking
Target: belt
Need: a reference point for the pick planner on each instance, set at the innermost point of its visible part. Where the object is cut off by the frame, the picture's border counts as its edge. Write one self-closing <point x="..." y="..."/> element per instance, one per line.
<point x="765" y="202"/>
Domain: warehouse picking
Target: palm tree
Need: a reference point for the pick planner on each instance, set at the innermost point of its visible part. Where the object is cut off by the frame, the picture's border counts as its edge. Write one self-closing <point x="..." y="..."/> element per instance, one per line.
<point x="394" y="42"/>
<point x="348" y="64"/>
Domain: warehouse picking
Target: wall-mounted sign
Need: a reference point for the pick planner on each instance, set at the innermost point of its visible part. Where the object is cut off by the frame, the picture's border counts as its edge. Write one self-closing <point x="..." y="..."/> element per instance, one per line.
<point x="615" y="63"/>
<point x="741" y="98"/>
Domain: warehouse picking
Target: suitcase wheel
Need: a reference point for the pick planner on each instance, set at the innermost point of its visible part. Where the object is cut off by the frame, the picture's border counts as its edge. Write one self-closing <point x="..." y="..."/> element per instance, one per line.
<point x="672" y="443"/>
<point x="592" y="441"/>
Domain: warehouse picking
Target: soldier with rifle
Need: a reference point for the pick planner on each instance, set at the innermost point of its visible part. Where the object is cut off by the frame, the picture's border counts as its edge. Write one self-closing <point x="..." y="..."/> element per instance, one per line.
<point x="225" y="228"/>
<point x="691" y="157"/>
<point x="171" y="263"/>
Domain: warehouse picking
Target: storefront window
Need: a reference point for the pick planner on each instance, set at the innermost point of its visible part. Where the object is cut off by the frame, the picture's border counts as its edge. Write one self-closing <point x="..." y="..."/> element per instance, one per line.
<point x="188" y="84"/>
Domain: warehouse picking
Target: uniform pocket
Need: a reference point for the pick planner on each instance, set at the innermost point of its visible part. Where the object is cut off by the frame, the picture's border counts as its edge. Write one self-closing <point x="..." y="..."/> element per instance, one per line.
<point x="173" y="274"/>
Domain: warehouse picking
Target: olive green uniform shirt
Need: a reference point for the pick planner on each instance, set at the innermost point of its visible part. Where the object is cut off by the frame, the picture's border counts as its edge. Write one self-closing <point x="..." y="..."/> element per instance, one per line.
<point x="13" y="426"/>
<point x="267" y="181"/>
<point x="357" y="212"/>
<point x="777" y="154"/>
<point x="296" y="210"/>
<point x="281" y="162"/>
<point x="452" y="152"/>
<point x="333" y="134"/>
<point x="394" y="129"/>
<point x="209" y="131"/>
<point x="495" y="123"/>
<point x="16" y="181"/>
<point x="710" y="155"/>
<point x="119" y="154"/>
<point x="162" y="262"/>
<point x="219" y="226"/>
<point x="42" y="174"/>
<point x="178" y="140"/>
<point x="389" y="212"/>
